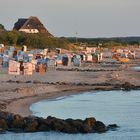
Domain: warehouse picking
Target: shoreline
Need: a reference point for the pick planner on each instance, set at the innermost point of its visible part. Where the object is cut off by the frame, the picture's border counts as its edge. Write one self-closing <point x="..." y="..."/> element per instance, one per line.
<point x="23" y="105"/>
<point x="17" y="93"/>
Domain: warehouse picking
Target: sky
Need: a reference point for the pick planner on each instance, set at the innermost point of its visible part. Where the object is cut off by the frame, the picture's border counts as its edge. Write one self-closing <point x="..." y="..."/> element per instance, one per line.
<point x="81" y="18"/>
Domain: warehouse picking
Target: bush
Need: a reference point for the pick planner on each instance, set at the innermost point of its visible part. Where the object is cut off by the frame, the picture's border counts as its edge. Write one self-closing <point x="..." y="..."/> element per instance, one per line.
<point x="39" y="41"/>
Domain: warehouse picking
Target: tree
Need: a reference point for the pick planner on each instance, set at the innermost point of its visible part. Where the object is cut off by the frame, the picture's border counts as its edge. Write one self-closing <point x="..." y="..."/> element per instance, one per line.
<point x="39" y="41"/>
<point x="11" y="38"/>
<point x="2" y="27"/>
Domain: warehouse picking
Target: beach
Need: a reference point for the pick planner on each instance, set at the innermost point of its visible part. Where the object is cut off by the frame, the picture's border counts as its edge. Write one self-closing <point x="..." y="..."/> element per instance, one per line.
<point x="17" y="93"/>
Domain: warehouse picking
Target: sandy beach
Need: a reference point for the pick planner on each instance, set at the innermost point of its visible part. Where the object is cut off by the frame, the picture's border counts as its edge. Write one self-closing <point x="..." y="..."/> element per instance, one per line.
<point x="17" y="93"/>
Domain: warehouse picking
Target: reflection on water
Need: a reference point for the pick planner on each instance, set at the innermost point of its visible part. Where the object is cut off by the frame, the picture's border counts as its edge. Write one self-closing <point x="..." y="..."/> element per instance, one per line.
<point x="110" y="107"/>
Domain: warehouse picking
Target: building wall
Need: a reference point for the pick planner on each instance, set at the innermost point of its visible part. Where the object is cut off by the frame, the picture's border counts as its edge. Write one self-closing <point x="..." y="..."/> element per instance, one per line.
<point x="29" y="30"/>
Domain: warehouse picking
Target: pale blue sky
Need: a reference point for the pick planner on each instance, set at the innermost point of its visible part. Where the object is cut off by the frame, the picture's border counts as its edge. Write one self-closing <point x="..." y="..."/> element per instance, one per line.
<point x="89" y="18"/>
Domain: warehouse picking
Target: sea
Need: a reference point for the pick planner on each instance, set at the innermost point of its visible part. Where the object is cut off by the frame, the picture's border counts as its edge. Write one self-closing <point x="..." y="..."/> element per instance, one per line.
<point x="119" y="107"/>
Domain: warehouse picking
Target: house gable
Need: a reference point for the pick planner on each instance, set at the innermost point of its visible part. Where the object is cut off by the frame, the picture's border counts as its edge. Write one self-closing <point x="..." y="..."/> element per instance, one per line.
<point x="30" y="25"/>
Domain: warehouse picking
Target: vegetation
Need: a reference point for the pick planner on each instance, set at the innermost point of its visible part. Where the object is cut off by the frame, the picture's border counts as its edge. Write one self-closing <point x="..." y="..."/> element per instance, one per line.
<point x="107" y="42"/>
<point x="39" y="41"/>
<point x="2" y="27"/>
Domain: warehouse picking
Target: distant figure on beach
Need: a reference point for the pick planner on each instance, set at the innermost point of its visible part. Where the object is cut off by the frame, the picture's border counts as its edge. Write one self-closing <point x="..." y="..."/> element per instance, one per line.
<point x="24" y="48"/>
<point x="21" y="67"/>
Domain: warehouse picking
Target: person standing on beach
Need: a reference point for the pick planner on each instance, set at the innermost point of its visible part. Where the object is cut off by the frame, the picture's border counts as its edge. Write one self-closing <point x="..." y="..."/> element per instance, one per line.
<point x="21" y="67"/>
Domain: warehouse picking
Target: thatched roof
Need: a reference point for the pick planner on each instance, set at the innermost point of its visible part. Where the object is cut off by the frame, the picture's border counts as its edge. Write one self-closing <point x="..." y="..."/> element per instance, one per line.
<point x="18" y="25"/>
<point x="30" y="23"/>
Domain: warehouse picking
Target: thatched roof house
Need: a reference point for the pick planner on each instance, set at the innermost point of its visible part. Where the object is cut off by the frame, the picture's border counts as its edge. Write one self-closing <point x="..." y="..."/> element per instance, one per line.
<point x="30" y="25"/>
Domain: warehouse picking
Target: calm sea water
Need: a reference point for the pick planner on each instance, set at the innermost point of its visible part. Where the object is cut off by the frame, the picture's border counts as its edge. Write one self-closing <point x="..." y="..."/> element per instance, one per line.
<point x="136" y="68"/>
<point x="117" y="107"/>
